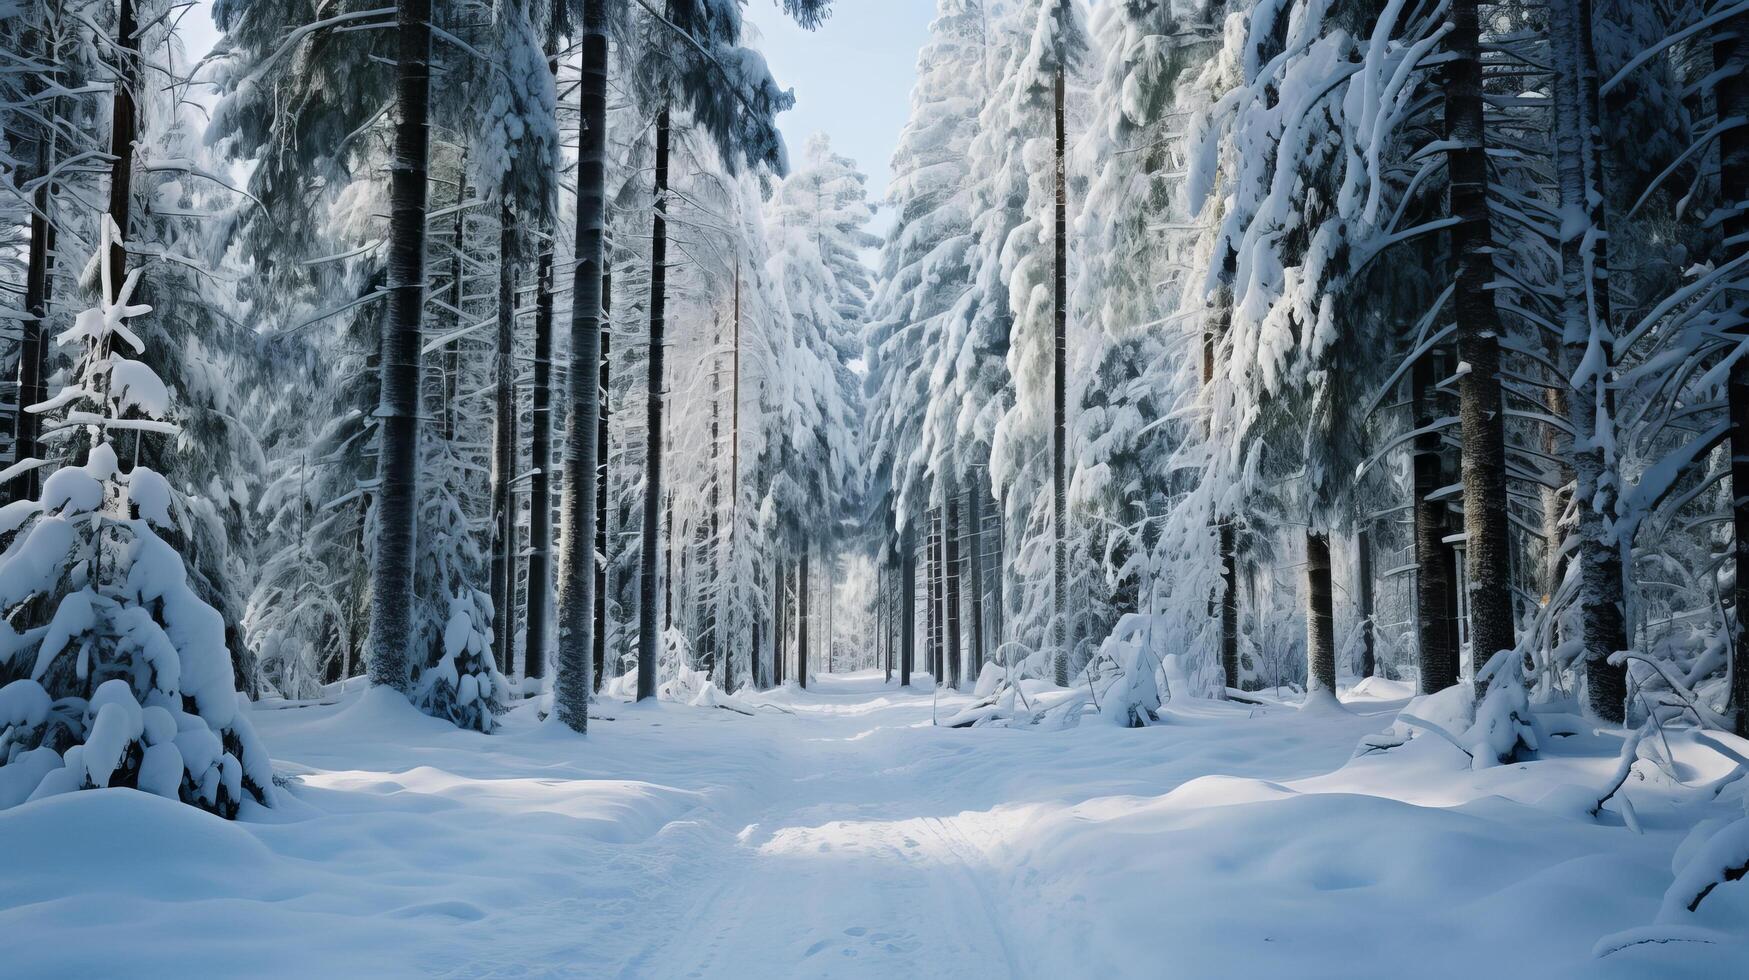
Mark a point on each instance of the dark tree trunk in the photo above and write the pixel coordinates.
(503, 566)
(601, 468)
(1364, 591)
(1579, 170)
(1229, 605)
(802, 582)
(540, 504)
(1435, 587)
(648, 639)
(1059, 402)
(124, 128)
(712, 591)
(391, 607)
(907, 603)
(1733, 98)
(935, 596)
(540, 435)
(1320, 618)
(954, 575)
(772, 676)
(975, 517)
(735, 482)
(668, 567)
(577, 596)
(1487, 545)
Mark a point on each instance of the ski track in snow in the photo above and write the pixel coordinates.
(844, 836)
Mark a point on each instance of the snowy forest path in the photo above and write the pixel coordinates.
(863, 871)
(838, 832)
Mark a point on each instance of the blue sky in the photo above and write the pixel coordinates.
(852, 77)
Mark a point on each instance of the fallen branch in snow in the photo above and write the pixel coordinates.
(1624, 766)
(1651, 934)
(1409, 719)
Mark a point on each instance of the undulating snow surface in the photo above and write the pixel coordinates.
(839, 834)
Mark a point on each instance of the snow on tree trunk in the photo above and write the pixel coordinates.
(600, 560)
(1481, 416)
(391, 607)
(578, 516)
(1733, 103)
(1059, 396)
(1588, 340)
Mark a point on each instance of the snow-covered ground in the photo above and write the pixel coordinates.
(839, 834)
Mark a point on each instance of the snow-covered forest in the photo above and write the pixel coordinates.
(1257, 492)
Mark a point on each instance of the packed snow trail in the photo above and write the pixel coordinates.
(837, 833)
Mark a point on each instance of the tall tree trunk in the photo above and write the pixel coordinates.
(1587, 337)
(735, 480)
(1059, 402)
(503, 565)
(1487, 545)
(1436, 644)
(1320, 618)
(391, 607)
(540, 424)
(540, 506)
(124, 128)
(1733, 99)
(802, 584)
(937, 631)
(954, 575)
(712, 591)
(975, 517)
(1229, 604)
(882, 621)
(647, 636)
(668, 567)
(907, 602)
(601, 468)
(1368, 629)
(577, 598)
(773, 675)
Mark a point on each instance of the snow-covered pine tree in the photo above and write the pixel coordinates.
(1019, 289)
(116, 672)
